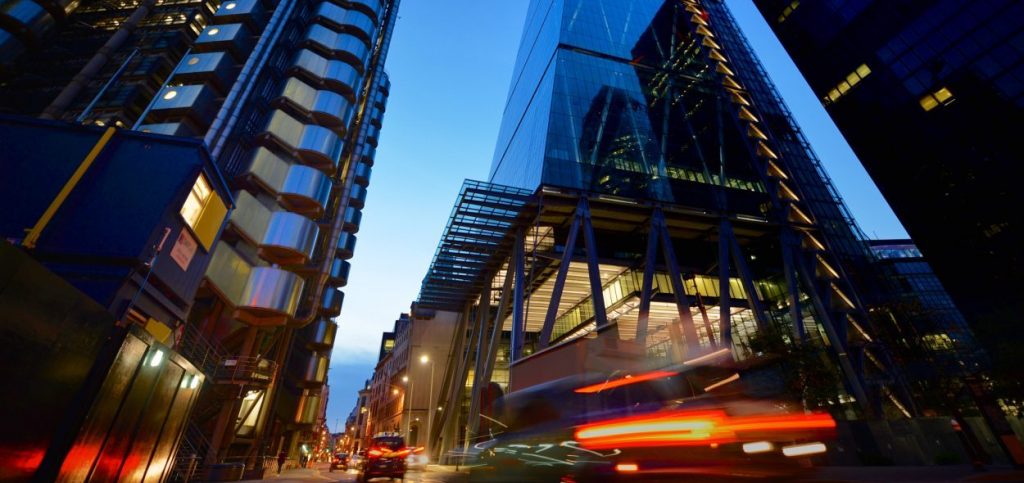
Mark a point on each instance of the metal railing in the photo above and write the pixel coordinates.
(200, 351)
(245, 371)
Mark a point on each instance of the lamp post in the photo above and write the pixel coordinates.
(424, 359)
(408, 421)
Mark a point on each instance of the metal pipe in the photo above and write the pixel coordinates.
(78, 83)
(234, 101)
(110, 81)
(149, 107)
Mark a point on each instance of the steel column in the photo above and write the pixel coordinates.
(788, 247)
(747, 279)
(485, 356)
(688, 338)
(704, 315)
(556, 293)
(593, 268)
(853, 379)
(518, 322)
(645, 290)
(453, 380)
(724, 295)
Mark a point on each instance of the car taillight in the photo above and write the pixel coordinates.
(374, 453)
(697, 427)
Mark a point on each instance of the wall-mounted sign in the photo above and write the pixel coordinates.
(184, 249)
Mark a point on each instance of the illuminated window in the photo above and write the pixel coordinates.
(788, 10)
(844, 86)
(197, 200)
(941, 97)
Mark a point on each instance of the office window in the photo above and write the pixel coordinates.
(204, 212)
(844, 86)
(788, 10)
(941, 97)
(197, 200)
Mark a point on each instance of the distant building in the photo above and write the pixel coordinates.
(930, 95)
(407, 380)
(355, 424)
(943, 331)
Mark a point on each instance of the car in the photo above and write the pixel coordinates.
(704, 423)
(385, 457)
(340, 461)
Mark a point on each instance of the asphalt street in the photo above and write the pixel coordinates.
(959, 473)
(322, 474)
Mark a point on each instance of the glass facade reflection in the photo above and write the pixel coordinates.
(936, 123)
(615, 97)
(938, 324)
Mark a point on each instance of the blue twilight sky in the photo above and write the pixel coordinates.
(450, 64)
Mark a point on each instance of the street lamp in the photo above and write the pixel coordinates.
(408, 422)
(424, 359)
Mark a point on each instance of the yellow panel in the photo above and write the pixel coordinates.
(754, 132)
(764, 151)
(776, 171)
(211, 220)
(745, 114)
(160, 331)
(707, 42)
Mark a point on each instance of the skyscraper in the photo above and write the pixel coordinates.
(930, 95)
(651, 201)
(288, 98)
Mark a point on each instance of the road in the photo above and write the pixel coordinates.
(321, 474)
(821, 475)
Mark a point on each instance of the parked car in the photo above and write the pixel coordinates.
(385, 457)
(340, 461)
